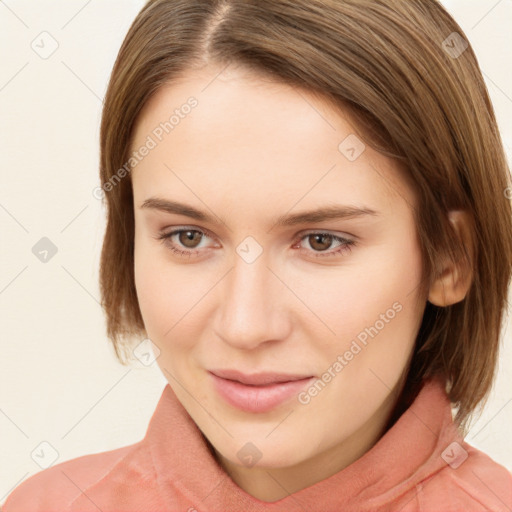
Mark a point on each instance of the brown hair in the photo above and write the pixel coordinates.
(391, 64)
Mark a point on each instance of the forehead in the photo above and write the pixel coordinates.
(248, 135)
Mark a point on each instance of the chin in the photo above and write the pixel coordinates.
(261, 455)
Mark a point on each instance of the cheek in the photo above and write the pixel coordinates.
(168, 295)
(372, 306)
(152, 286)
(353, 296)
(376, 319)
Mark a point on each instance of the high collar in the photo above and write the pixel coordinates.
(406, 454)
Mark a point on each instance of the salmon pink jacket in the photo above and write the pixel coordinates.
(420, 464)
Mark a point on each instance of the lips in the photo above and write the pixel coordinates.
(258, 379)
(257, 393)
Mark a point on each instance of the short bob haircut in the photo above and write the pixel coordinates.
(415, 92)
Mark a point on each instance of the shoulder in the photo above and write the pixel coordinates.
(477, 484)
(56, 487)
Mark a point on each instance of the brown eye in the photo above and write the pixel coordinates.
(189, 238)
(320, 241)
(185, 242)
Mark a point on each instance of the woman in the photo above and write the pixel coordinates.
(308, 218)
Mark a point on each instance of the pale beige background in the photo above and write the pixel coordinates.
(59, 381)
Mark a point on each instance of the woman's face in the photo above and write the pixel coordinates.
(259, 282)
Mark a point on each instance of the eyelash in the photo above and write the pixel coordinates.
(346, 244)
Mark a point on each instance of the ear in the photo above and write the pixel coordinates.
(455, 279)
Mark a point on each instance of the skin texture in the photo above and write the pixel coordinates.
(252, 150)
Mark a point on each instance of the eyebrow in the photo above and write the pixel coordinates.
(304, 217)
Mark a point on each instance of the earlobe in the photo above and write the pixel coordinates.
(455, 280)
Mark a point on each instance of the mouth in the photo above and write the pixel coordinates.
(257, 393)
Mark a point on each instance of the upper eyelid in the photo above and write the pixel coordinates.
(179, 229)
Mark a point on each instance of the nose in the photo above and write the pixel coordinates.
(252, 305)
